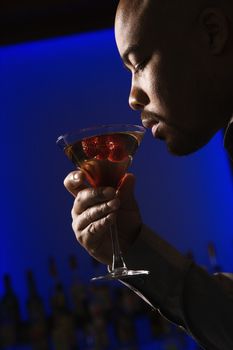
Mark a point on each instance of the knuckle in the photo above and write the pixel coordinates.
(95, 213)
(104, 208)
(101, 225)
(76, 211)
(95, 192)
(88, 215)
(110, 219)
(79, 197)
(92, 228)
(75, 227)
(80, 201)
(72, 213)
(79, 223)
(86, 196)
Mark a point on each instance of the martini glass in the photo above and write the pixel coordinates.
(104, 153)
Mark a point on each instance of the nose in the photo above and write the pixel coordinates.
(138, 99)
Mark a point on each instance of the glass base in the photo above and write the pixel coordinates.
(121, 273)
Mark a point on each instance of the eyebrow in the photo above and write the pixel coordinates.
(129, 50)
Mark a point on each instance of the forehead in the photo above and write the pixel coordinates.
(154, 23)
(134, 23)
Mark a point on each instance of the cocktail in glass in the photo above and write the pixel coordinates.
(104, 153)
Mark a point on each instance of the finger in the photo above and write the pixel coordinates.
(75, 182)
(89, 197)
(95, 213)
(92, 236)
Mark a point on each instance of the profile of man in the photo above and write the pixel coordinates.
(180, 56)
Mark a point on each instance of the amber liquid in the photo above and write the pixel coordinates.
(105, 158)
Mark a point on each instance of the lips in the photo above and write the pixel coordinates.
(155, 130)
(149, 119)
(149, 122)
(152, 122)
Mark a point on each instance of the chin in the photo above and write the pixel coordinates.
(181, 148)
(184, 142)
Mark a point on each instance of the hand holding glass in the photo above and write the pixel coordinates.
(104, 154)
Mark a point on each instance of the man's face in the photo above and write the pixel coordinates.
(171, 83)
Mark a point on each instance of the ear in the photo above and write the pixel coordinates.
(214, 26)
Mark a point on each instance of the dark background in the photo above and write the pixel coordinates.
(30, 20)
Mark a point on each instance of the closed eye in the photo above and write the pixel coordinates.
(137, 68)
(140, 66)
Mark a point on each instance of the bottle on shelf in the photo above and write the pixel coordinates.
(37, 322)
(96, 331)
(62, 326)
(214, 265)
(123, 318)
(78, 294)
(10, 318)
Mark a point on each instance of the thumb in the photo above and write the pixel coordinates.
(75, 182)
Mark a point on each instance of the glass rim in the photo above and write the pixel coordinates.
(99, 130)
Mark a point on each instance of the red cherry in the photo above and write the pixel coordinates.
(116, 145)
(89, 147)
(102, 148)
(113, 141)
(96, 147)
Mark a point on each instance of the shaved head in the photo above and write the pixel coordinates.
(191, 8)
(180, 55)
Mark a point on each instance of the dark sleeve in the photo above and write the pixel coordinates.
(182, 291)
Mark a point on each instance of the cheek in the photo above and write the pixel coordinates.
(176, 87)
(171, 91)
(158, 92)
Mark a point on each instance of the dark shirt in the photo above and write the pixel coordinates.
(181, 290)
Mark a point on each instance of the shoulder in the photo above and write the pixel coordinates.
(226, 280)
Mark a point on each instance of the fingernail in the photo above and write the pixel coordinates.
(109, 192)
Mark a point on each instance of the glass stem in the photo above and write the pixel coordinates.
(117, 258)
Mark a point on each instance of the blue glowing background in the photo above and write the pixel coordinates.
(52, 86)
